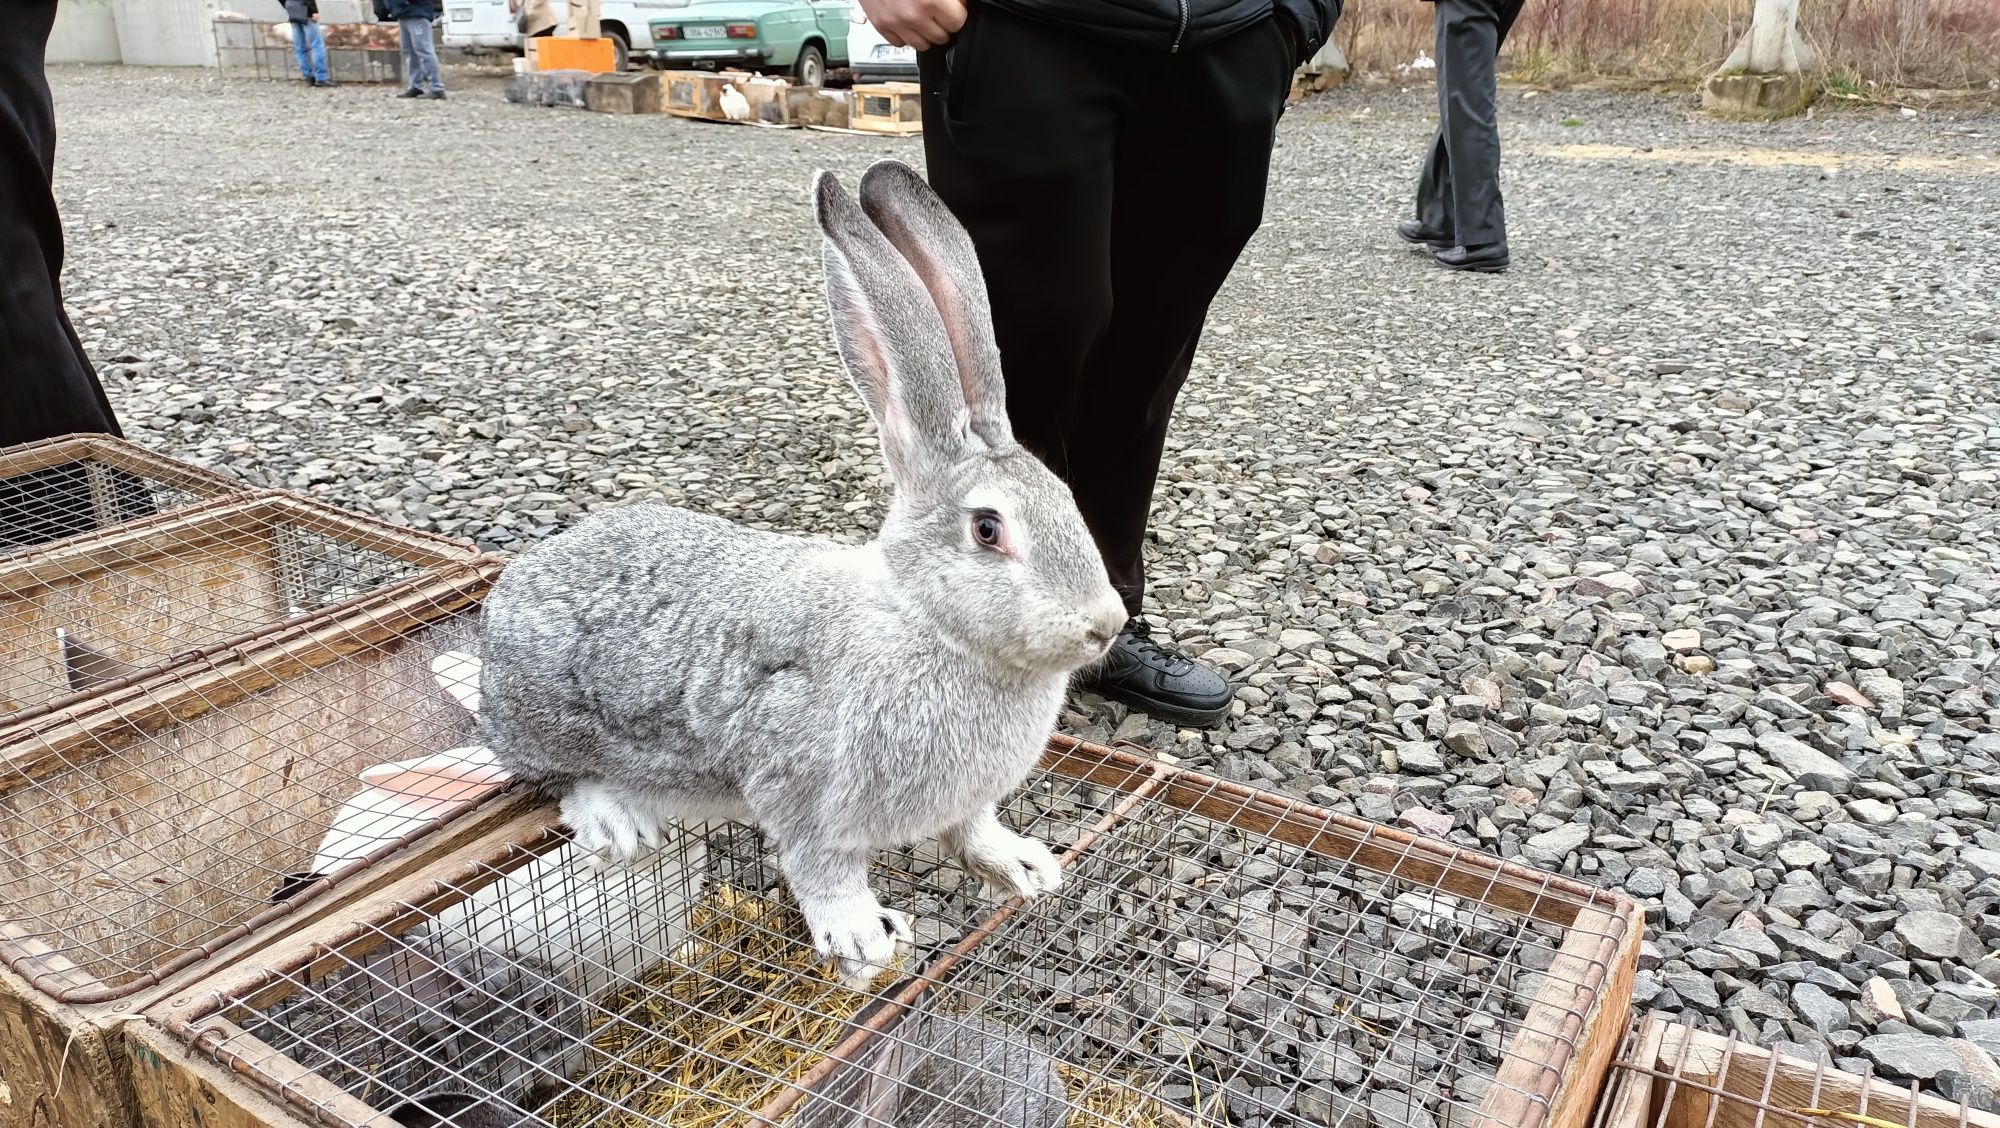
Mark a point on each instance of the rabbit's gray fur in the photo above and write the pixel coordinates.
(654, 664)
(424, 1010)
(944, 1071)
(457, 1108)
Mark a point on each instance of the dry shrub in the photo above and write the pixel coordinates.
(1942, 44)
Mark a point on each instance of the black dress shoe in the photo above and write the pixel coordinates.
(1489, 258)
(1156, 679)
(411, 93)
(1413, 232)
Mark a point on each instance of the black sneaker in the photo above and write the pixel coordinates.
(1156, 679)
(436, 95)
(411, 93)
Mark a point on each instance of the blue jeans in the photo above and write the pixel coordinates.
(310, 46)
(420, 56)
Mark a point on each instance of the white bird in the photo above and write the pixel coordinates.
(734, 105)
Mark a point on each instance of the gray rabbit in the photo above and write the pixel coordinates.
(423, 1010)
(655, 664)
(937, 1071)
(456, 1108)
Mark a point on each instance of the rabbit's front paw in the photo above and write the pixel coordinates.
(1010, 865)
(611, 824)
(860, 935)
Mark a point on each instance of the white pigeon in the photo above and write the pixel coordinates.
(735, 106)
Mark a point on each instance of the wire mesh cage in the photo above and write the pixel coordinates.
(192, 700)
(1216, 956)
(62, 487)
(1672, 1076)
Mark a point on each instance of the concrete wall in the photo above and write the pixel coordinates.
(167, 33)
(86, 31)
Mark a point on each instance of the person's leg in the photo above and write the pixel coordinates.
(1468, 47)
(1434, 182)
(430, 76)
(319, 68)
(407, 43)
(1206, 128)
(1019, 142)
(302, 48)
(47, 385)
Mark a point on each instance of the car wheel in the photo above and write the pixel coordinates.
(810, 70)
(621, 51)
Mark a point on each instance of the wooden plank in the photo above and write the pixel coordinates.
(1629, 1101)
(176, 1087)
(1605, 1027)
(58, 1068)
(1531, 1070)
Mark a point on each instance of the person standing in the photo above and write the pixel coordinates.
(307, 42)
(534, 19)
(1109, 159)
(47, 384)
(421, 72)
(1459, 214)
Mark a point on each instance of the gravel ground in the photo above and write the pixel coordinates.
(1666, 559)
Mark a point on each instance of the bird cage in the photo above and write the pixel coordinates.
(1672, 1076)
(63, 487)
(213, 716)
(1215, 956)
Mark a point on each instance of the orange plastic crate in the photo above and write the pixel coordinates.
(565, 52)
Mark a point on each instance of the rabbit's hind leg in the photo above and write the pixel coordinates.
(1009, 865)
(847, 922)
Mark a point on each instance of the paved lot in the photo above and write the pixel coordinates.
(1667, 559)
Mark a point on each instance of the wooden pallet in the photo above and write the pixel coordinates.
(894, 108)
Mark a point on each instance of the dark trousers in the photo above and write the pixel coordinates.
(1108, 192)
(1459, 189)
(47, 386)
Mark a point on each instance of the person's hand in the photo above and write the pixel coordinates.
(922, 24)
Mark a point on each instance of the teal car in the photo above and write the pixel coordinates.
(800, 38)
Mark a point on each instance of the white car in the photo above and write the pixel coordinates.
(871, 58)
(487, 25)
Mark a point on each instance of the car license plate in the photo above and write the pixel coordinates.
(889, 53)
(709, 32)
(461, 15)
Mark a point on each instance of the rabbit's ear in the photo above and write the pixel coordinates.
(937, 247)
(892, 341)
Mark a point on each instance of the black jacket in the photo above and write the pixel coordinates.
(1182, 25)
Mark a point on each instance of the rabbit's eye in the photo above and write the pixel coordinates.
(986, 528)
(544, 1007)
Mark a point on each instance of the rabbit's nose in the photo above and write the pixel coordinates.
(1105, 623)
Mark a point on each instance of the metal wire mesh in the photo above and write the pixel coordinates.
(1673, 1076)
(1215, 957)
(189, 702)
(63, 487)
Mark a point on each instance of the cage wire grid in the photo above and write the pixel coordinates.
(1667, 1075)
(1216, 956)
(74, 484)
(190, 698)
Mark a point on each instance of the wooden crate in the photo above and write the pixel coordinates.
(635, 93)
(147, 825)
(565, 52)
(133, 599)
(1674, 1076)
(1554, 995)
(887, 107)
(80, 483)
